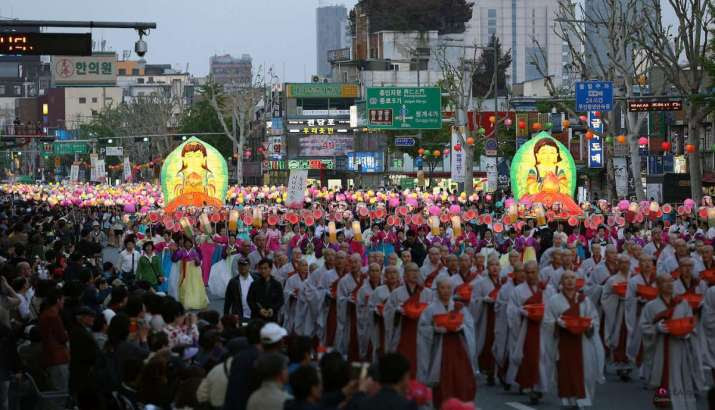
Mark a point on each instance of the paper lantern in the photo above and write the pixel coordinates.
(522, 124)
(621, 139)
(437, 153)
(332, 235)
(421, 151)
(536, 126)
(565, 124)
(445, 152)
(481, 131)
(597, 114)
(457, 147)
(492, 119)
(257, 217)
(643, 141)
(690, 148)
(205, 223)
(456, 225)
(470, 141)
(548, 126)
(508, 122)
(665, 145)
(434, 225)
(589, 135)
(609, 139)
(583, 118)
(427, 154)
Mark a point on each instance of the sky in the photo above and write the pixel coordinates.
(278, 33)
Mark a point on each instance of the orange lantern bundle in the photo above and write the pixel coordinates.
(417, 219)
(154, 217)
(413, 309)
(317, 213)
(247, 218)
(646, 292)
(309, 221)
(580, 283)
(620, 288)
(273, 219)
(464, 292)
(680, 327)
(693, 299)
(292, 218)
(577, 324)
(451, 321)
(233, 220)
(708, 276)
(535, 311)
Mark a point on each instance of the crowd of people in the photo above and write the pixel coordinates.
(104, 309)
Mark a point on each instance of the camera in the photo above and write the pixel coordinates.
(140, 47)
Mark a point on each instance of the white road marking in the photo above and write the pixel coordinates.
(519, 406)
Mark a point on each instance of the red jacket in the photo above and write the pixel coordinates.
(54, 338)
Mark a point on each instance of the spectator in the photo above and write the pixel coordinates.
(265, 297)
(241, 380)
(84, 350)
(306, 387)
(394, 377)
(54, 341)
(273, 370)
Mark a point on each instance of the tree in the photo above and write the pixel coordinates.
(445, 16)
(200, 118)
(678, 54)
(237, 103)
(617, 22)
(483, 77)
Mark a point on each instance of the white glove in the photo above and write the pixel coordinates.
(523, 312)
(662, 327)
(561, 322)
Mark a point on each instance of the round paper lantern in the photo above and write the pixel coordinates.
(597, 114)
(445, 152)
(421, 151)
(589, 135)
(522, 124)
(548, 126)
(508, 122)
(621, 139)
(457, 147)
(665, 145)
(565, 123)
(643, 141)
(583, 118)
(427, 153)
(470, 141)
(690, 148)
(437, 153)
(481, 131)
(689, 203)
(536, 126)
(492, 119)
(609, 139)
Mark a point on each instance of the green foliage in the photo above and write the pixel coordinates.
(484, 74)
(445, 16)
(201, 118)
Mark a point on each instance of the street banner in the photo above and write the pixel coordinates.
(297, 182)
(458, 158)
(114, 151)
(93, 167)
(489, 164)
(620, 170)
(74, 173)
(127, 169)
(595, 144)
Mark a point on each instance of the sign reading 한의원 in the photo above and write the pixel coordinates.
(404, 142)
(97, 69)
(594, 95)
(404, 108)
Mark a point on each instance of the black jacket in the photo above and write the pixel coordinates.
(233, 301)
(242, 380)
(417, 250)
(84, 351)
(387, 399)
(265, 295)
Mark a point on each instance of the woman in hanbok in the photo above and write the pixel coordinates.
(192, 293)
(575, 359)
(273, 236)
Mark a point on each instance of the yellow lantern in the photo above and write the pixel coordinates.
(186, 226)
(434, 224)
(456, 226)
(233, 220)
(257, 217)
(357, 231)
(205, 223)
(332, 235)
(540, 214)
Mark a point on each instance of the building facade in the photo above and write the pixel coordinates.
(231, 72)
(331, 34)
(527, 28)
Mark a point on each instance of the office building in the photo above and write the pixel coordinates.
(331, 34)
(526, 27)
(231, 72)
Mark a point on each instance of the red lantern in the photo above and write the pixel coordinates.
(583, 118)
(457, 147)
(690, 148)
(445, 152)
(597, 114)
(247, 154)
(421, 151)
(643, 141)
(522, 124)
(536, 126)
(589, 135)
(470, 141)
(492, 119)
(508, 122)
(437, 153)
(665, 145)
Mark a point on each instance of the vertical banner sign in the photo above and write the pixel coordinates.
(297, 182)
(489, 164)
(127, 169)
(595, 145)
(93, 167)
(458, 159)
(74, 172)
(100, 173)
(620, 170)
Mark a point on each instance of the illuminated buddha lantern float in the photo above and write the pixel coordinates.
(194, 175)
(543, 171)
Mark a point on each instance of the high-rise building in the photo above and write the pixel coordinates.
(331, 34)
(596, 47)
(526, 27)
(231, 72)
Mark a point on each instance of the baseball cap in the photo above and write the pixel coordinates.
(243, 261)
(272, 333)
(95, 223)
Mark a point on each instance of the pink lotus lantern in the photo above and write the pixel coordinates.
(434, 210)
(454, 209)
(623, 205)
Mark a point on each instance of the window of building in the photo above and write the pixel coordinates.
(492, 13)
(108, 100)
(2, 90)
(140, 80)
(135, 71)
(122, 71)
(82, 100)
(94, 99)
(18, 91)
